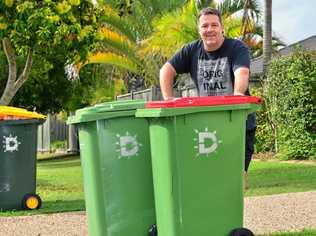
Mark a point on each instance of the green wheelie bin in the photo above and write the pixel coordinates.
(197, 148)
(18, 134)
(116, 162)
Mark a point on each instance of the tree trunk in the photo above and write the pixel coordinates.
(13, 84)
(267, 34)
(267, 53)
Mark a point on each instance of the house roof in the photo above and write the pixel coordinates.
(256, 64)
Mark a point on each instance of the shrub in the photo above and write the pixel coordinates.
(264, 132)
(289, 92)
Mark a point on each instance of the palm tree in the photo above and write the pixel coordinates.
(267, 34)
(126, 24)
(255, 42)
(203, 3)
(180, 25)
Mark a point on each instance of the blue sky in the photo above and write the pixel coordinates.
(293, 21)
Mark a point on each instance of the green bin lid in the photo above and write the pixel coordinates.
(106, 110)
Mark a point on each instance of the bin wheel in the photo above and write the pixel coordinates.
(153, 231)
(31, 202)
(241, 232)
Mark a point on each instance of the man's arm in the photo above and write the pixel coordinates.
(241, 80)
(166, 77)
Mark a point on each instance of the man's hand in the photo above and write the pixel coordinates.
(166, 77)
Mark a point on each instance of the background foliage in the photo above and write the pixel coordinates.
(289, 92)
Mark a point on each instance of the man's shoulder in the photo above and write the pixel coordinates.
(194, 44)
(235, 42)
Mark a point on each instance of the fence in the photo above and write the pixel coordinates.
(154, 94)
(150, 94)
(53, 130)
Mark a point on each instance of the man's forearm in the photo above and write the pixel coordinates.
(241, 81)
(166, 77)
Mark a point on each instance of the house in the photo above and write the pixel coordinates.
(256, 64)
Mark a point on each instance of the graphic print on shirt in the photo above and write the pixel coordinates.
(213, 77)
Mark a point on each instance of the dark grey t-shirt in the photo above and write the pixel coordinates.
(213, 72)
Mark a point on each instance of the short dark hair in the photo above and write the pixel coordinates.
(210, 11)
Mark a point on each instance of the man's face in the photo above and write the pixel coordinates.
(210, 31)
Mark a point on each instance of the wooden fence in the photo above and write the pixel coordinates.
(53, 130)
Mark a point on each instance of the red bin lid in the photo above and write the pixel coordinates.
(204, 101)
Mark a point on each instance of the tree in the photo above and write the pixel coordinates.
(180, 25)
(126, 25)
(29, 28)
(203, 3)
(267, 34)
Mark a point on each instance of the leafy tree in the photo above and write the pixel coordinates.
(47, 90)
(126, 25)
(255, 42)
(28, 28)
(174, 29)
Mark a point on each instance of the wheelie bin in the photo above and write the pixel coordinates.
(197, 148)
(18, 132)
(116, 162)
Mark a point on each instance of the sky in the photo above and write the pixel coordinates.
(292, 20)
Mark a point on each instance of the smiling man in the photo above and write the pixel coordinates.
(217, 65)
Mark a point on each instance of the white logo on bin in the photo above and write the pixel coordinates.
(128, 145)
(207, 142)
(4, 187)
(10, 143)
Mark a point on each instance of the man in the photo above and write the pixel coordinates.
(217, 65)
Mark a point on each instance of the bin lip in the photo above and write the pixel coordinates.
(15, 112)
(106, 110)
(204, 101)
(113, 106)
(22, 121)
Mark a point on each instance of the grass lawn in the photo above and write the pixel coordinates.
(60, 184)
(271, 177)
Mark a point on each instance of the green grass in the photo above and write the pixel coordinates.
(270, 177)
(303, 233)
(60, 183)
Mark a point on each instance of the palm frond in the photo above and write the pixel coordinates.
(118, 43)
(232, 27)
(113, 59)
(232, 7)
(172, 31)
(120, 24)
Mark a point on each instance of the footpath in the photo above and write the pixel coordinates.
(291, 212)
